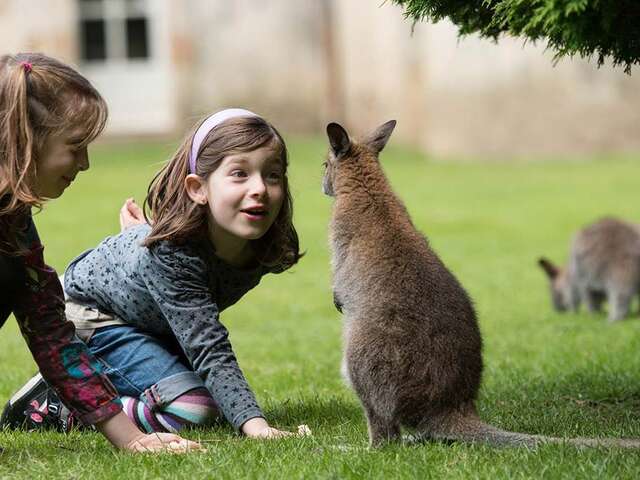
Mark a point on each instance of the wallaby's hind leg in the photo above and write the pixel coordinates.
(377, 404)
(619, 303)
(575, 297)
(594, 300)
(381, 430)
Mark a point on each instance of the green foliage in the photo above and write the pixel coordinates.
(601, 28)
(561, 375)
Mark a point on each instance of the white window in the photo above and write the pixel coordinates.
(114, 30)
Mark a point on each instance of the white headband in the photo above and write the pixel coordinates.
(209, 124)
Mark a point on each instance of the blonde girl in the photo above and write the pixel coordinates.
(49, 113)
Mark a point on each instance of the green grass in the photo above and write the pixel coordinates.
(562, 375)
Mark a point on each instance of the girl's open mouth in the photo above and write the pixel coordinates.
(255, 213)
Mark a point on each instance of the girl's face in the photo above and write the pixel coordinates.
(58, 165)
(244, 195)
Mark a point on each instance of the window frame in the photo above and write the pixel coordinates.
(115, 15)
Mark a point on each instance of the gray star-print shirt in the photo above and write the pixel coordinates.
(176, 290)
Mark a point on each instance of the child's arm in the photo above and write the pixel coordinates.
(63, 359)
(69, 368)
(178, 282)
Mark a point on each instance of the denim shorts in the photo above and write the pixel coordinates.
(138, 363)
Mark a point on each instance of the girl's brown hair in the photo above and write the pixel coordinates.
(39, 97)
(178, 218)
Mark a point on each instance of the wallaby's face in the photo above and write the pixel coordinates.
(558, 284)
(341, 150)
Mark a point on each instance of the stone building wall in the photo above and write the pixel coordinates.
(471, 97)
(360, 62)
(262, 55)
(39, 26)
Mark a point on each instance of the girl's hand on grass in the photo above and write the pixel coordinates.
(130, 215)
(162, 442)
(259, 428)
(123, 434)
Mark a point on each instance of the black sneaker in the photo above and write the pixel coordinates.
(36, 406)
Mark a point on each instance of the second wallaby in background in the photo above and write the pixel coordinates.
(412, 346)
(604, 264)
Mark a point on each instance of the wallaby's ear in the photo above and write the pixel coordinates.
(378, 139)
(338, 139)
(550, 269)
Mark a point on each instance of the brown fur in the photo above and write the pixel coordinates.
(412, 343)
(604, 264)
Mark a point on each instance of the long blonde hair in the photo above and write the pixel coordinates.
(175, 217)
(39, 97)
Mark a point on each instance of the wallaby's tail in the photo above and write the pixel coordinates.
(467, 427)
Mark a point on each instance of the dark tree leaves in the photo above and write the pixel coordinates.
(597, 28)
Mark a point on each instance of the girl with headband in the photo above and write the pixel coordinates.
(49, 113)
(149, 299)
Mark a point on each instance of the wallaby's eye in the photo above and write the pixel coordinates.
(325, 164)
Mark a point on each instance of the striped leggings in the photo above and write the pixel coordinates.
(151, 414)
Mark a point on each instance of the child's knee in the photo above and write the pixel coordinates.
(195, 407)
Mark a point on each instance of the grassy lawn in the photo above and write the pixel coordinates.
(561, 375)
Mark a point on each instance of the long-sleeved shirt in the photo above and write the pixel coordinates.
(31, 290)
(172, 290)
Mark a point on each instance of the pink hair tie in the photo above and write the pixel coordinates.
(27, 66)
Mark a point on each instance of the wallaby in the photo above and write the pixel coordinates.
(412, 348)
(604, 264)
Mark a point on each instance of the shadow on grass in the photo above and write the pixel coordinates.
(319, 411)
(582, 402)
